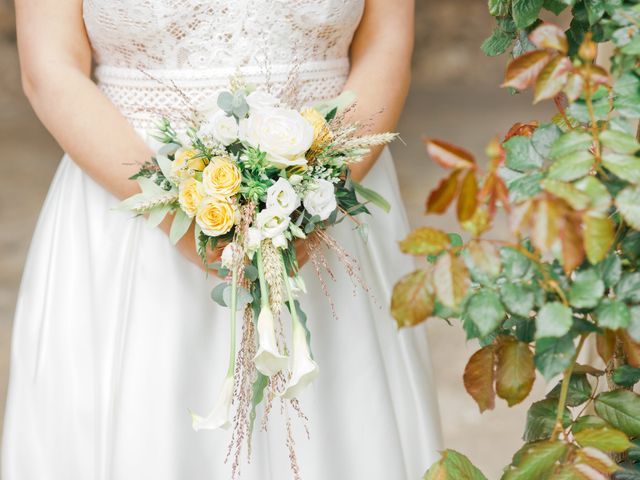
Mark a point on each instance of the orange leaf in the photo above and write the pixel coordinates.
(572, 245)
(550, 36)
(631, 348)
(412, 298)
(606, 345)
(425, 241)
(515, 371)
(440, 198)
(451, 279)
(520, 217)
(523, 71)
(552, 78)
(478, 378)
(468, 199)
(521, 130)
(449, 156)
(545, 225)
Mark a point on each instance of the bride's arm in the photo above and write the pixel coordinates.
(381, 67)
(55, 63)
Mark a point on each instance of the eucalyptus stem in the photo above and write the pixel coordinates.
(234, 312)
(564, 389)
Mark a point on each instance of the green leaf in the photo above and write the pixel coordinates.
(544, 137)
(567, 192)
(634, 325)
(621, 408)
(595, 10)
(554, 355)
(179, 226)
(517, 298)
(605, 439)
(258, 387)
(629, 106)
(587, 422)
(626, 375)
(372, 196)
(425, 241)
(613, 314)
(537, 461)
(521, 155)
(611, 270)
(499, 8)
(453, 466)
(498, 42)
(570, 142)
(524, 186)
(556, 6)
(515, 371)
(628, 203)
(620, 142)
(628, 288)
(587, 289)
(541, 418)
(217, 294)
(572, 166)
(525, 12)
(486, 311)
(579, 390)
(600, 199)
(626, 167)
(412, 300)
(515, 265)
(554, 320)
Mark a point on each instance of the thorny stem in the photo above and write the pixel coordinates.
(564, 389)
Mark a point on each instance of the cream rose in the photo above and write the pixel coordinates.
(190, 195)
(321, 199)
(272, 223)
(221, 177)
(283, 134)
(281, 196)
(184, 160)
(259, 99)
(221, 127)
(216, 216)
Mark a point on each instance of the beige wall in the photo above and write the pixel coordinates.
(454, 96)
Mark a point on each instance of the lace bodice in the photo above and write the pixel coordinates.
(196, 45)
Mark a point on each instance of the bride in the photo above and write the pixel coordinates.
(107, 357)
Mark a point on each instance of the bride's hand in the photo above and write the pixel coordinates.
(302, 253)
(187, 247)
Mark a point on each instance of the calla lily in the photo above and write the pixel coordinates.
(305, 369)
(220, 416)
(268, 360)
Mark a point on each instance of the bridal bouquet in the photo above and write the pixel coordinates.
(255, 176)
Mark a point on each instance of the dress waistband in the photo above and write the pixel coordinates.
(144, 96)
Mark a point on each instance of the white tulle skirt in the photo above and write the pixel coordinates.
(115, 338)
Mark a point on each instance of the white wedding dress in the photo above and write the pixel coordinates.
(115, 335)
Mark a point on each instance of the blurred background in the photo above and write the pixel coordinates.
(455, 96)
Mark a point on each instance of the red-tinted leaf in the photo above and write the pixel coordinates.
(552, 78)
(468, 199)
(523, 71)
(479, 375)
(440, 198)
(515, 371)
(520, 130)
(572, 245)
(451, 279)
(606, 345)
(574, 87)
(550, 36)
(448, 155)
(631, 348)
(545, 225)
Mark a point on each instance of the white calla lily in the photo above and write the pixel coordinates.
(268, 359)
(220, 416)
(304, 369)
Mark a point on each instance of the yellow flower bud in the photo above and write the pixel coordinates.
(190, 196)
(321, 133)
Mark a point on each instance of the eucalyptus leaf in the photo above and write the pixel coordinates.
(179, 226)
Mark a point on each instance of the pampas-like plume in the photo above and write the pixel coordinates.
(160, 201)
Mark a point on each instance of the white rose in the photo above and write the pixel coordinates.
(221, 127)
(279, 241)
(283, 134)
(272, 222)
(321, 199)
(281, 196)
(228, 255)
(259, 99)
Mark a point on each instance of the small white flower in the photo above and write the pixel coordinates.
(268, 359)
(272, 222)
(283, 134)
(305, 369)
(254, 237)
(282, 197)
(279, 241)
(297, 285)
(221, 127)
(321, 199)
(220, 416)
(295, 179)
(229, 255)
(260, 99)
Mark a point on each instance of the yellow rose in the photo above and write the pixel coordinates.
(186, 161)
(216, 216)
(221, 177)
(321, 133)
(190, 196)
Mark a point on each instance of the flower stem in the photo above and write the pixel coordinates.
(564, 389)
(287, 287)
(264, 289)
(234, 312)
